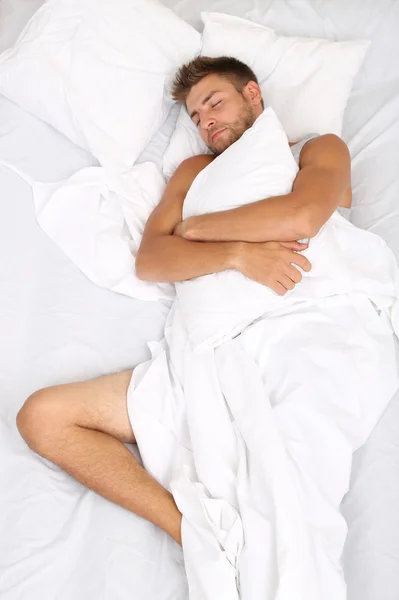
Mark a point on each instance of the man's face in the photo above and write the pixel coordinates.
(220, 112)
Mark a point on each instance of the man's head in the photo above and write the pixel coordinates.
(222, 97)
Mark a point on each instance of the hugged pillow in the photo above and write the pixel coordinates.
(258, 165)
(95, 70)
(217, 307)
(306, 81)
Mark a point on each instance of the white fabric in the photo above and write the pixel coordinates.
(95, 217)
(98, 220)
(307, 81)
(95, 70)
(215, 307)
(14, 14)
(255, 437)
(59, 539)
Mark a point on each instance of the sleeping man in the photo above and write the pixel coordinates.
(82, 426)
(223, 100)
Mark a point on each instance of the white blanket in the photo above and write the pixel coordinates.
(252, 421)
(97, 218)
(255, 440)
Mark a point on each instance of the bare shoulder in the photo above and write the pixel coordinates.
(168, 211)
(329, 153)
(200, 161)
(181, 180)
(325, 150)
(188, 170)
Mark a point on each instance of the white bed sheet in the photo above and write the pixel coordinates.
(59, 540)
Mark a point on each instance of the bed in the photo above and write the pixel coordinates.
(61, 541)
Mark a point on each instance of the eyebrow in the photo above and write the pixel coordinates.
(195, 112)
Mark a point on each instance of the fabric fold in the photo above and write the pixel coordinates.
(97, 218)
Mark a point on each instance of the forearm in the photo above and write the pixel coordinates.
(172, 258)
(279, 218)
(320, 186)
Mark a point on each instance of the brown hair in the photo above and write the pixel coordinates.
(237, 72)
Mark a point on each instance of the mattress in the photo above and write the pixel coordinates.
(61, 541)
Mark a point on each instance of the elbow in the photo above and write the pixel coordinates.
(140, 272)
(141, 267)
(306, 225)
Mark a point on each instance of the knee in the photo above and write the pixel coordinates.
(36, 420)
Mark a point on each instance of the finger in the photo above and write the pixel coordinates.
(286, 282)
(301, 261)
(280, 289)
(294, 274)
(296, 246)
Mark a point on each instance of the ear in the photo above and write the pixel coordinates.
(253, 92)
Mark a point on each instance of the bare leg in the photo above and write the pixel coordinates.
(81, 427)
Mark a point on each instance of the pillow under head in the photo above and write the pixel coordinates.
(307, 81)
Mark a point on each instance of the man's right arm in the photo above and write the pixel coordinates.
(163, 256)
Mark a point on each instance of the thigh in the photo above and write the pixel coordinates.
(99, 403)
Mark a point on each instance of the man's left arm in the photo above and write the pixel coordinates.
(318, 189)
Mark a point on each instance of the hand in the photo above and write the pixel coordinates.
(269, 263)
(184, 229)
(296, 246)
(179, 229)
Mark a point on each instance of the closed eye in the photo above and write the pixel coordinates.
(198, 121)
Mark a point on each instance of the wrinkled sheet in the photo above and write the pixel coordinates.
(255, 437)
(97, 218)
(58, 539)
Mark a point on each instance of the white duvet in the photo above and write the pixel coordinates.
(251, 420)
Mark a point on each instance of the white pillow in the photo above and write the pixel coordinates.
(259, 165)
(95, 70)
(306, 81)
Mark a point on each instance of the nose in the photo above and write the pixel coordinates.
(208, 122)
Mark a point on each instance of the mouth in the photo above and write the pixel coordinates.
(214, 135)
